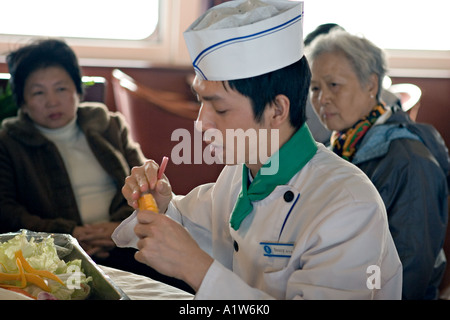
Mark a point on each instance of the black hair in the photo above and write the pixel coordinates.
(321, 29)
(293, 81)
(37, 55)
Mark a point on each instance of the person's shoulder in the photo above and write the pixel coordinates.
(407, 161)
(327, 171)
(101, 112)
(326, 161)
(90, 106)
(19, 128)
(94, 116)
(410, 153)
(332, 187)
(230, 174)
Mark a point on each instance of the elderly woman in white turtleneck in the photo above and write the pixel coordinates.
(62, 163)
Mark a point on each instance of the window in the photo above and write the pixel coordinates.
(390, 24)
(95, 19)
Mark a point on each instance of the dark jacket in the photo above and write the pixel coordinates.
(408, 163)
(35, 190)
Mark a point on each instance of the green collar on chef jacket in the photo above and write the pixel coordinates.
(292, 157)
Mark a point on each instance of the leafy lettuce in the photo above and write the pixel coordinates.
(42, 255)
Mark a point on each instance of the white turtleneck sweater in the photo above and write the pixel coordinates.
(93, 187)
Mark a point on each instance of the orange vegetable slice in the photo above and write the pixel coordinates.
(148, 202)
(42, 273)
(27, 274)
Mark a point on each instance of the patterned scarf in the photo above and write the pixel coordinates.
(292, 156)
(344, 143)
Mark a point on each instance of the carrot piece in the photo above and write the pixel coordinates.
(9, 276)
(148, 202)
(43, 273)
(23, 282)
(35, 279)
(12, 277)
(3, 266)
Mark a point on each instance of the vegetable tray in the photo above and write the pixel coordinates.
(68, 248)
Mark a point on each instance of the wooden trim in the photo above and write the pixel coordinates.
(172, 102)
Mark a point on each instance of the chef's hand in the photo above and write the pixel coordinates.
(166, 246)
(143, 179)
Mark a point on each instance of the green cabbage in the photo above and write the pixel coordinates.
(42, 255)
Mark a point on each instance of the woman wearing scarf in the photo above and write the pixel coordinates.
(407, 162)
(303, 224)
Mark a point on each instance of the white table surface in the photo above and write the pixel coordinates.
(139, 287)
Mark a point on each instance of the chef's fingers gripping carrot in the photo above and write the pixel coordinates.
(148, 202)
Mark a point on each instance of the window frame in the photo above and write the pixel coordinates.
(165, 47)
(168, 47)
(75, 27)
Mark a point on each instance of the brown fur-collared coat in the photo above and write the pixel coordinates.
(35, 190)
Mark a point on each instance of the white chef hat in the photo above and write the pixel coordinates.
(245, 38)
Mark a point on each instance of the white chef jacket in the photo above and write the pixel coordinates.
(324, 235)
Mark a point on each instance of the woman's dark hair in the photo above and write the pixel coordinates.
(293, 81)
(41, 54)
(321, 29)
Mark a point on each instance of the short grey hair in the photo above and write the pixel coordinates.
(365, 57)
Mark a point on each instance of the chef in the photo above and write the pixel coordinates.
(300, 223)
